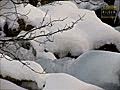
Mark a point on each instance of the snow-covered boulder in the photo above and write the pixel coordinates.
(29, 13)
(21, 74)
(47, 55)
(61, 81)
(55, 66)
(7, 85)
(90, 4)
(90, 33)
(100, 68)
(16, 50)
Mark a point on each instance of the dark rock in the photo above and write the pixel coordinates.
(28, 84)
(10, 32)
(109, 47)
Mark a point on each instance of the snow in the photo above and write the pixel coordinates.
(88, 34)
(100, 68)
(90, 4)
(81, 38)
(17, 51)
(61, 81)
(96, 67)
(17, 70)
(7, 85)
(29, 13)
(47, 55)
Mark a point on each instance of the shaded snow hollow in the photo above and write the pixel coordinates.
(7, 85)
(61, 81)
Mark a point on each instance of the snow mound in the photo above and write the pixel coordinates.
(29, 13)
(90, 33)
(14, 50)
(7, 85)
(100, 68)
(90, 4)
(61, 81)
(15, 69)
(47, 55)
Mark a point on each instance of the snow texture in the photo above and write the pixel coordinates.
(7, 85)
(14, 50)
(88, 34)
(81, 38)
(61, 81)
(90, 4)
(100, 68)
(17, 70)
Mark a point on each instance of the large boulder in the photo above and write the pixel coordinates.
(27, 74)
(100, 68)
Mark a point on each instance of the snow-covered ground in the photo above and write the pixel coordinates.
(90, 4)
(61, 81)
(16, 70)
(7, 85)
(89, 33)
(99, 68)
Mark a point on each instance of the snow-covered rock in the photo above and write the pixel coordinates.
(90, 4)
(7, 85)
(100, 68)
(14, 50)
(47, 55)
(29, 13)
(61, 81)
(90, 33)
(16, 70)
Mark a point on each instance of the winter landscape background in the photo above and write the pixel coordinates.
(59, 45)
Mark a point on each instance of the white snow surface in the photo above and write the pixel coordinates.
(100, 68)
(47, 55)
(90, 33)
(17, 51)
(29, 13)
(17, 70)
(90, 4)
(7, 85)
(61, 81)
(87, 34)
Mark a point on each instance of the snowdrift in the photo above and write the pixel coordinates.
(88, 34)
(16, 70)
(61, 81)
(7, 85)
(100, 68)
